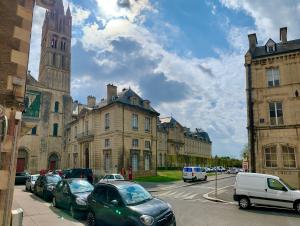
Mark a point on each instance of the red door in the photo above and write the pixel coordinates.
(20, 165)
(52, 165)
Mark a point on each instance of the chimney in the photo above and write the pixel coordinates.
(91, 101)
(252, 42)
(111, 92)
(283, 34)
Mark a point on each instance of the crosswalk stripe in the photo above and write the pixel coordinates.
(191, 196)
(178, 195)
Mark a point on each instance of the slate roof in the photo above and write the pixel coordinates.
(124, 97)
(198, 133)
(289, 46)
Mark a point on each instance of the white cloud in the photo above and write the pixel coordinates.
(79, 15)
(269, 16)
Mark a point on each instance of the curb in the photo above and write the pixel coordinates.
(206, 196)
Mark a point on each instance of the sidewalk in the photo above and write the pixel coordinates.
(156, 187)
(39, 212)
(224, 195)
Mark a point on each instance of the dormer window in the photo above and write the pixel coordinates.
(270, 46)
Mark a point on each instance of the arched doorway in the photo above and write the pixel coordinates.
(53, 161)
(22, 160)
(87, 158)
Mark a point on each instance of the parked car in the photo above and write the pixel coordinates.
(29, 186)
(45, 185)
(80, 173)
(71, 194)
(193, 173)
(21, 178)
(232, 171)
(125, 203)
(111, 177)
(65, 172)
(264, 189)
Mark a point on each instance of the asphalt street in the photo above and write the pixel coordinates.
(190, 208)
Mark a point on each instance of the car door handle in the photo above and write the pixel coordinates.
(93, 200)
(266, 190)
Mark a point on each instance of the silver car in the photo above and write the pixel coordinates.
(30, 182)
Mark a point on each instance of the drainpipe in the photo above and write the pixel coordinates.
(251, 120)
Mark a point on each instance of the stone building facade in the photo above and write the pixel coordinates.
(119, 132)
(273, 80)
(48, 102)
(15, 29)
(178, 146)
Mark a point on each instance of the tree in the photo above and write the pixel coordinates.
(245, 151)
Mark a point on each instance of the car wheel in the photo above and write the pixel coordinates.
(205, 178)
(54, 202)
(244, 203)
(72, 211)
(184, 180)
(91, 220)
(297, 207)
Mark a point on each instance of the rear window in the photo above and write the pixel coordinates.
(197, 169)
(187, 169)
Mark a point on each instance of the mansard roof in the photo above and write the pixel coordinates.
(289, 46)
(124, 97)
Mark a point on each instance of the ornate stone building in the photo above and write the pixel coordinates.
(273, 86)
(48, 102)
(119, 132)
(178, 146)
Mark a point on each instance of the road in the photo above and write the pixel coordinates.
(190, 208)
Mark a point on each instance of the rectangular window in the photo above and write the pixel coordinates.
(54, 59)
(107, 121)
(33, 131)
(134, 121)
(147, 144)
(273, 77)
(56, 106)
(270, 157)
(55, 129)
(107, 160)
(107, 143)
(147, 161)
(147, 124)
(62, 61)
(276, 114)
(288, 156)
(135, 162)
(135, 143)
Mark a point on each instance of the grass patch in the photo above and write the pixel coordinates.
(162, 176)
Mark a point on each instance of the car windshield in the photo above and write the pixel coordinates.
(80, 186)
(119, 177)
(286, 184)
(53, 179)
(34, 178)
(134, 194)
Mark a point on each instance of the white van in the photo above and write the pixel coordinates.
(193, 173)
(266, 190)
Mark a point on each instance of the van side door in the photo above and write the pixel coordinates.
(278, 194)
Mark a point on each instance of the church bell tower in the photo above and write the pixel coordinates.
(55, 60)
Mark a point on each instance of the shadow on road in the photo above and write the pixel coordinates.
(273, 211)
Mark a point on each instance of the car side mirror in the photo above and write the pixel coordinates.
(114, 202)
(284, 189)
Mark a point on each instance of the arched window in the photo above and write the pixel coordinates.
(56, 106)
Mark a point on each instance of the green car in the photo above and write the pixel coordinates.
(71, 194)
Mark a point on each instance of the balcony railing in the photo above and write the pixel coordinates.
(85, 136)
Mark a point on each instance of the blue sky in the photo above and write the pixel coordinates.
(185, 56)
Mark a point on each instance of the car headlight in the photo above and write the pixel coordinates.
(147, 220)
(50, 188)
(80, 202)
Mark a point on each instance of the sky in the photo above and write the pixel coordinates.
(185, 56)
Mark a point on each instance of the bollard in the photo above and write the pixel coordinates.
(17, 217)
